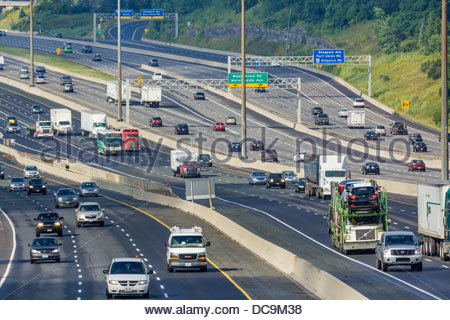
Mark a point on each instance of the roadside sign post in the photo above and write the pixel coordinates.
(405, 105)
(58, 51)
(252, 80)
(200, 189)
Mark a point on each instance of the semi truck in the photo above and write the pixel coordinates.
(43, 129)
(356, 229)
(130, 140)
(356, 119)
(92, 122)
(150, 96)
(61, 121)
(433, 217)
(321, 171)
(184, 163)
(109, 142)
(111, 91)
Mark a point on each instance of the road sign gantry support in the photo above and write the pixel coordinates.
(302, 61)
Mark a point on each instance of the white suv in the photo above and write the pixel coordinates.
(127, 276)
(186, 248)
(90, 213)
(358, 103)
(30, 172)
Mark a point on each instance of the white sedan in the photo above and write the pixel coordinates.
(299, 156)
(40, 79)
(343, 113)
(358, 103)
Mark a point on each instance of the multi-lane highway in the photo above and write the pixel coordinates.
(280, 216)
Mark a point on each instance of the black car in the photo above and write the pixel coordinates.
(154, 63)
(96, 57)
(66, 79)
(362, 197)
(48, 222)
(235, 147)
(44, 249)
(41, 69)
(260, 90)
(39, 73)
(2, 172)
(448, 137)
(199, 96)
(35, 108)
(300, 185)
(371, 167)
(37, 185)
(58, 35)
(415, 137)
(322, 119)
(316, 111)
(269, 155)
(275, 180)
(181, 128)
(420, 147)
(370, 135)
(205, 160)
(68, 87)
(257, 145)
(86, 49)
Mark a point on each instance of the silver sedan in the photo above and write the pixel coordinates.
(17, 183)
(66, 197)
(257, 177)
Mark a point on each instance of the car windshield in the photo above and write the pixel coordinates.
(199, 93)
(44, 123)
(89, 207)
(88, 185)
(45, 242)
(372, 133)
(236, 144)
(205, 157)
(418, 161)
(157, 118)
(355, 219)
(380, 127)
(400, 239)
(276, 176)
(187, 241)
(37, 181)
(66, 192)
(231, 118)
(339, 174)
(182, 126)
(258, 174)
(113, 141)
(64, 123)
(48, 216)
(17, 180)
(31, 168)
(127, 267)
(190, 163)
(132, 135)
(301, 181)
(99, 124)
(371, 164)
(359, 100)
(363, 191)
(289, 173)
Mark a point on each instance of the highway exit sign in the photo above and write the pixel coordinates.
(252, 80)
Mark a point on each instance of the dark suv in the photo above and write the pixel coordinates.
(322, 118)
(371, 167)
(48, 222)
(362, 196)
(199, 96)
(420, 147)
(269, 155)
(181, 128)
(275, 180)
(205, 160)
(415, 137)
(66, 79)
(316, 111)
(86, 49)
(154, 63)
(37, 185)
(257, 145)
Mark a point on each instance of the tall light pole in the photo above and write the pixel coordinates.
(31, 46)
(119, 66)
(244, 98)
(444, 91)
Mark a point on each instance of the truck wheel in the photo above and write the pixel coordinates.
(384, 267)
(418, 267)
(443, 256)
(432, 247)
(169, 269)
(378, 265)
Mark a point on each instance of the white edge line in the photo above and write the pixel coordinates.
(8, 268)
(332, 250)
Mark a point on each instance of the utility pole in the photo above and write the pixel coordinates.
(444, 91)
(119, 67)
(287, 34)
(244, 98)
(94, 28)
(31, 46)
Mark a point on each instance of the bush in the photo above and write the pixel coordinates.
(408, 45)
(414, 98)
(437, 117)
(21, 14)
(384, 77)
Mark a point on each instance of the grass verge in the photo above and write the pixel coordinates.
(56, 61)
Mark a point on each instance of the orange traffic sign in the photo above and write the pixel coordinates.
(145, 30)
(58, 51)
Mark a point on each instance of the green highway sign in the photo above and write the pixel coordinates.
(252, 80)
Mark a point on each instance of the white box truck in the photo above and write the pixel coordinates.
(356, 119)
(111, 91)
(92, 122)
(184, 163)
(150, 96)
(320, 171)
(61, 121)
(433, 217)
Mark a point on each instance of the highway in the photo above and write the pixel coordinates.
(299, 218)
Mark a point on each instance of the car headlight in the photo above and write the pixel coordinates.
(100, 214)
(40, 224)
(271, 180)
(31, 187)
(173, 256)
(81, 215)
(387, 251)
(113, 282)
(35, 251)
(57, 224)
(55, 251)
(74, 199)
(418, 251)
(142, 282)
(60, 199)
(201, 257)
(96, 189)
(44, 186)
(282, 180)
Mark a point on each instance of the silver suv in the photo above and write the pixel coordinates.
(398, 248)
(90, 213)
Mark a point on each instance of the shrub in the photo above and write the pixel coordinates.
(384, 77)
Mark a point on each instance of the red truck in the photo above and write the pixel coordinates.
(130, 140)
(190, 169)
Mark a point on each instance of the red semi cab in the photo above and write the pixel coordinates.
(130, 140)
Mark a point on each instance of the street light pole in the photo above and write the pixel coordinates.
(119, 67)
(243, 103)
(444, 92)
(31, 46)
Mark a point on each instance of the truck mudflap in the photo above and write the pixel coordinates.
(360, 245)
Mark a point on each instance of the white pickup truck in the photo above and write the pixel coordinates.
(43, 129)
